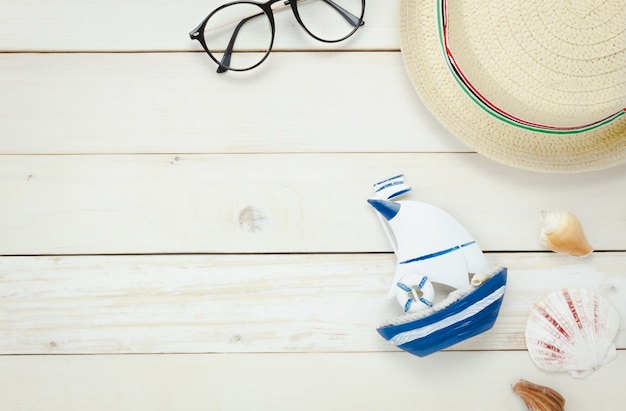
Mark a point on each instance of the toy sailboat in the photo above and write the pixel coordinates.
(432, 248)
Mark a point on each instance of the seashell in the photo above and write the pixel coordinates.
(572, 330)
(479, 278)
(563, 233)
(538, 397)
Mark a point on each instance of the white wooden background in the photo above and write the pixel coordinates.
(174, 239)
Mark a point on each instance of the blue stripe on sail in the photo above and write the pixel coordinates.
(389, 182)
(437, 254)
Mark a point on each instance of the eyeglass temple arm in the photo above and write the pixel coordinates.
(223, 67)
(353, 20)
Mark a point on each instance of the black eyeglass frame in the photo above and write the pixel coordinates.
(198, 32)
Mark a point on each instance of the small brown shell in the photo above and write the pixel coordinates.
(539, 398)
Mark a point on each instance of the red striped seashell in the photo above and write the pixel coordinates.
(572, 330)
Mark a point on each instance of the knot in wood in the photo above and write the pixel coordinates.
(254, 220)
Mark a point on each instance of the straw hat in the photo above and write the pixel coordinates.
(534, 84)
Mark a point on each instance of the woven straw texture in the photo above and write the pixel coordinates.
(558, 64)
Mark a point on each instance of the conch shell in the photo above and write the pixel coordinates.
(539, 398)
(563, 233)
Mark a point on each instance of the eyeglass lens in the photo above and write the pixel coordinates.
(330, 20)
(246, 26)
(246, 30)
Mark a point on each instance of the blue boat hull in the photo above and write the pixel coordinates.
(471, 315)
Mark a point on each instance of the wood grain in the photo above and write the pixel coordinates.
(101, 25)
(254, 303)
(175, 239)
(262, 203)
(270, 382)
(176, 103)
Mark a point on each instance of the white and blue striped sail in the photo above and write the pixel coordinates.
(426, 240)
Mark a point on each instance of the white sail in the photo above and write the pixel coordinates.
(430, 242)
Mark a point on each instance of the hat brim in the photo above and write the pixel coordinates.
(592, 149)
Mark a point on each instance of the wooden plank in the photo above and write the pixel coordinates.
(123, 204)
(252, 303)
(176, 103)
(445, 381)
(101, 25)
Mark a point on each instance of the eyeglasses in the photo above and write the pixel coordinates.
(239, 35)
